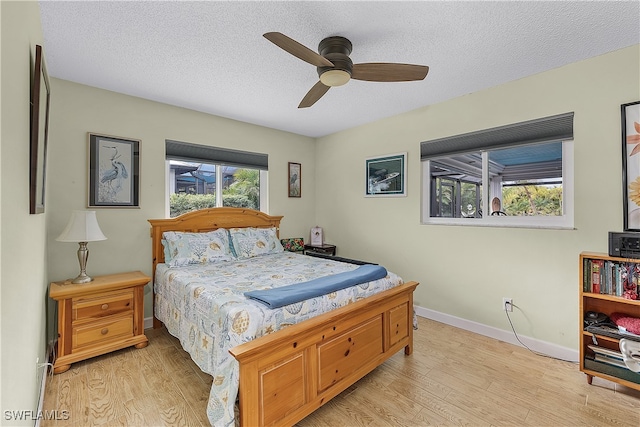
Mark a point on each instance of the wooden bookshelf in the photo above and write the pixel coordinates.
(606, 303)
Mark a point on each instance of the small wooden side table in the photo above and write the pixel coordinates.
(321, 249)
(98, 317)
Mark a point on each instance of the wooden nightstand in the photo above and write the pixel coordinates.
(104, 315)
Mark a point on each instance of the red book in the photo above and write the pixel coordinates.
(596, 275)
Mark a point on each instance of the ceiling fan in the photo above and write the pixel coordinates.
(335, 68)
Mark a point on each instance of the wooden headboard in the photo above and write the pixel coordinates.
(205, 220)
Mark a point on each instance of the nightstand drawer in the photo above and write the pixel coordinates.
(102, 306)
(102, 331)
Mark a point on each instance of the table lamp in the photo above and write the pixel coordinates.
(82, 228)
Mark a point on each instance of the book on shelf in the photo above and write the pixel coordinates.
(596, 275)
(608, 356)
(608, 277)
(586, 275)
(610, 361)
(605, 351)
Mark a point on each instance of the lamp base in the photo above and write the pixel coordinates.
(82, 278)
(83, 255)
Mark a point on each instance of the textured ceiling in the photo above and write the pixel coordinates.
(210, 56)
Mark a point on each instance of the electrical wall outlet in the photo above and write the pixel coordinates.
(507, 304)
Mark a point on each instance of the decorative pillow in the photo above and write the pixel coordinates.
(250, 242)
(196, 248)
(295, 244)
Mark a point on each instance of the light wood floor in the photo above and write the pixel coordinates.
(453, 377)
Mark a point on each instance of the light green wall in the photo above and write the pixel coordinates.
(465, 271)
(23, 276)
(79, 109)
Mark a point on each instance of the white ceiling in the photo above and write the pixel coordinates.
(210, 56)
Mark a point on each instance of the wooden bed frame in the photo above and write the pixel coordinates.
(288, 374)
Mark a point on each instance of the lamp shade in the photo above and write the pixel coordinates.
(82, 227)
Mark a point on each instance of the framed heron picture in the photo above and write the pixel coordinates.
(114, 171)
(295, 180)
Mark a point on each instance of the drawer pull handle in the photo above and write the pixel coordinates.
(104, 331)
(105, 306)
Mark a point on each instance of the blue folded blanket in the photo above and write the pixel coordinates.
(290, 294)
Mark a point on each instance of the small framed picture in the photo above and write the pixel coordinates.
(114, 171)
(317, 239)
(386, 176)
(295, 186)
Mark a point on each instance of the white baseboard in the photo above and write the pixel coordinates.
(534, 344)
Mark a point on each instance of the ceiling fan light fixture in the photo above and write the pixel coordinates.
(335, 78)
(335, 68)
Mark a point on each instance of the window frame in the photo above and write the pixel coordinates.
(264, 185)
(564, 221)
(219, 157)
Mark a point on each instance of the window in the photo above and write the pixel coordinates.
(517, 175)
(202, 177)
(527, 180)
(456, 184)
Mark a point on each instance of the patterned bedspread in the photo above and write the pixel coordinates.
(204, 307)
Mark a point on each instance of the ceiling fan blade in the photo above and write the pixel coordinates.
(313, 95)
(297, 49)
(388, 72)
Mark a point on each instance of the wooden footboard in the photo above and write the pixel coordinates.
(286, 375)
